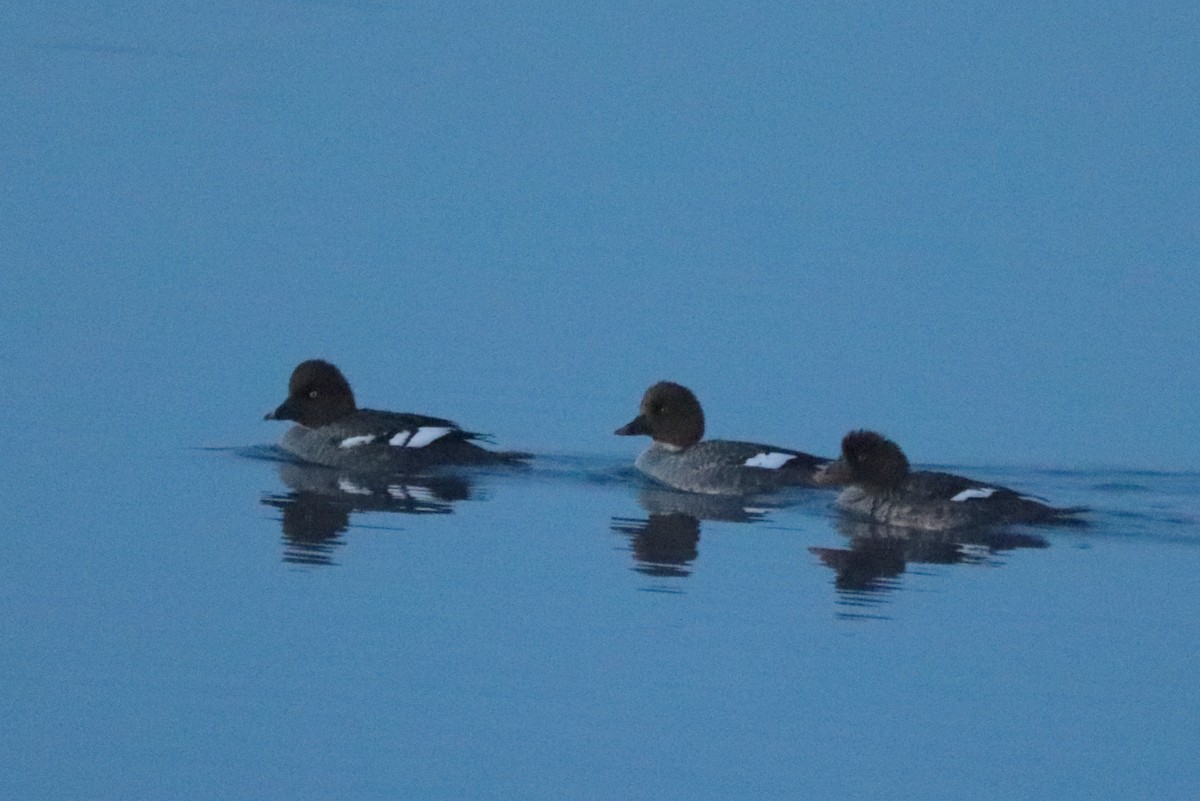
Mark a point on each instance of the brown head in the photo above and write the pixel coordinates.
(670, 414)
(868, 460)
(318, 394)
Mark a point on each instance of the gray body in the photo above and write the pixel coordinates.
(717, 467)
(322, 445)
(925, 502)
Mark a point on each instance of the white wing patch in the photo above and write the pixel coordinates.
(351, 442)
(419, 438)
(770, 460)
(974, 492)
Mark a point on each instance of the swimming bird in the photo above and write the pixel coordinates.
(680, 457)
(880, 485)
(333, 431)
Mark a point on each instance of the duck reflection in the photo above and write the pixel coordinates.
(879, 554)
(667, 542)
(315, 512)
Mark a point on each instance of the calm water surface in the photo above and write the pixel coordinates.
(248, 628)
(974, 231)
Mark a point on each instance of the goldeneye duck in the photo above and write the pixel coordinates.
(334, 432)
(882, 487)
(680, 457)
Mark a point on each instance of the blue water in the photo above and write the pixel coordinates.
(246, 628)
(971, 228)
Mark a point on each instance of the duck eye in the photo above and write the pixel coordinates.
(312, 393)
(659, 409)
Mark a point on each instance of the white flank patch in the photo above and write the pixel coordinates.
(426, 435)
(398, 439)
(351, 442)
(974, 492)
(771, 461)
(350, 488)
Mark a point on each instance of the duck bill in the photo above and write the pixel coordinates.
(832, 474)
(285, 411)
(634, 427)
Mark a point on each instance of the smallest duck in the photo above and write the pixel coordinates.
(333, 431)
(680, 457)
(882, 487)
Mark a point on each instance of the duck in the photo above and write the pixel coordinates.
(879, 484)
(331, 430)
(680, 457)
